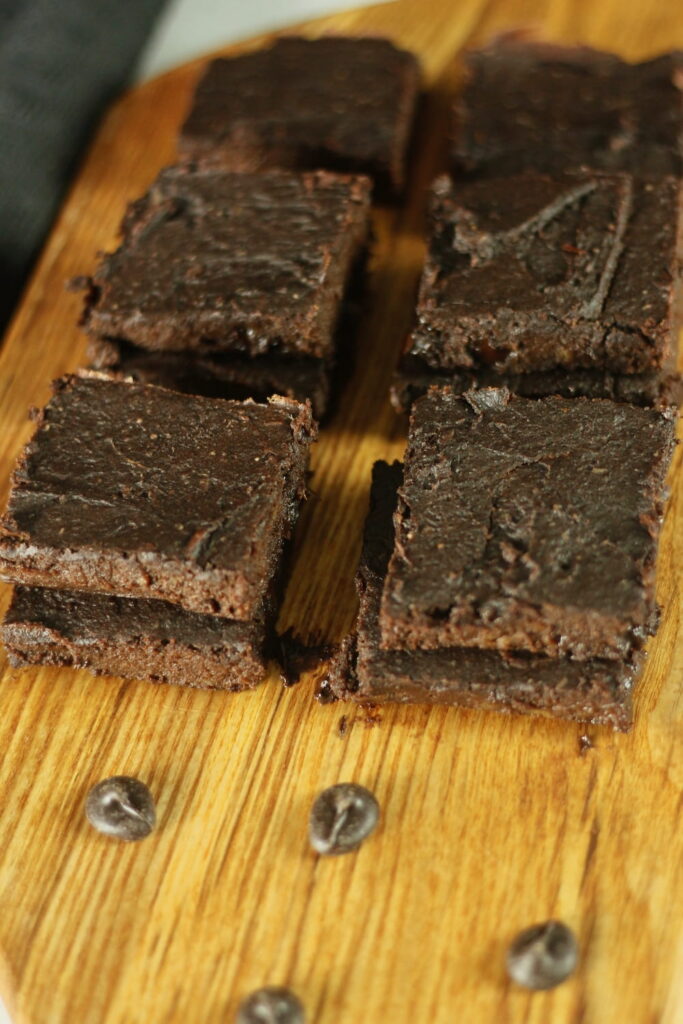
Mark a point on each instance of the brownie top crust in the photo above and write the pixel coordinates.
(340, 103)
(537, 271)
(213, 260)
(553, 108)
(131, 489)
(527, 524)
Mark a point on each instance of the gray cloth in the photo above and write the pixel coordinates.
(61, 63)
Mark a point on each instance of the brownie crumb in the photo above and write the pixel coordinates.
(371, 715)
(585, 744)
(297, 657)
(343, 726)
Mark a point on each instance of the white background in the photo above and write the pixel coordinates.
(188, 28)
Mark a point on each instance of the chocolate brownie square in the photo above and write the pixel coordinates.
(133, 638)
(597, 691)
(527, 524)
(533, 273)
(215, 262)
(344, 104)
(134, 490)
(538, 106)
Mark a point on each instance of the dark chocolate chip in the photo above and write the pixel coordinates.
(341, 818)
(271, 1006)
(121, 807)
(542, 956)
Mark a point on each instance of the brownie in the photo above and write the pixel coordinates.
(537, 272)
(218, 376)
(134, 490)
(597, 690)
(133, 638)
(551, 108)
(657, 389)
(527, 524)
(249, 264)
(345, 104)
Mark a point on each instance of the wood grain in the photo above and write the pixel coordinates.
(489, 823)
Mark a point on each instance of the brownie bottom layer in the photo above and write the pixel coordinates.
(234, 377)
(597, 691)
(654, 389)
(133, 638)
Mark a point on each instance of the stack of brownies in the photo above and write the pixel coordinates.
(510, 562)
(146, 530)
(553, 264)
(240, 271)
(147, 526)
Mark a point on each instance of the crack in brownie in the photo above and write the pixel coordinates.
(133, 638)
(597, 691)
(527, 524)
(553, 108)
(134, 490)
(346, 104)
(534, 273)
(215, 262)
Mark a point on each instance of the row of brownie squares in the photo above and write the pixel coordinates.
(552, 259)
(509, 564)
(510, 561)
(147, 529)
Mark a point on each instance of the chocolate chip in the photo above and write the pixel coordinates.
(542, 956)
(341, 818)
(121, 807)
(271, 1006)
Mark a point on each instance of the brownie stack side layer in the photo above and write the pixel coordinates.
(597, 691)
(134, 639)
(527, 525)
(346, 104)
(543, 107)
(134, 490)
(220, 376)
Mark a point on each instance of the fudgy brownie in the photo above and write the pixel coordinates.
(597, 691)
(551, 108)
(248, 264)
(218, 376)
(537, 272)
(527, 524)
(133, 638)
(134, 490)
(341, 103)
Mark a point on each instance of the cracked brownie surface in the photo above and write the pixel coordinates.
(555, 108)
(134, 490)
(527, 524)
(537, 272)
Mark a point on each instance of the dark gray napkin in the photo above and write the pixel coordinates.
(61, 64)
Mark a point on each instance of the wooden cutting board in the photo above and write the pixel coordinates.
(489, 823)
